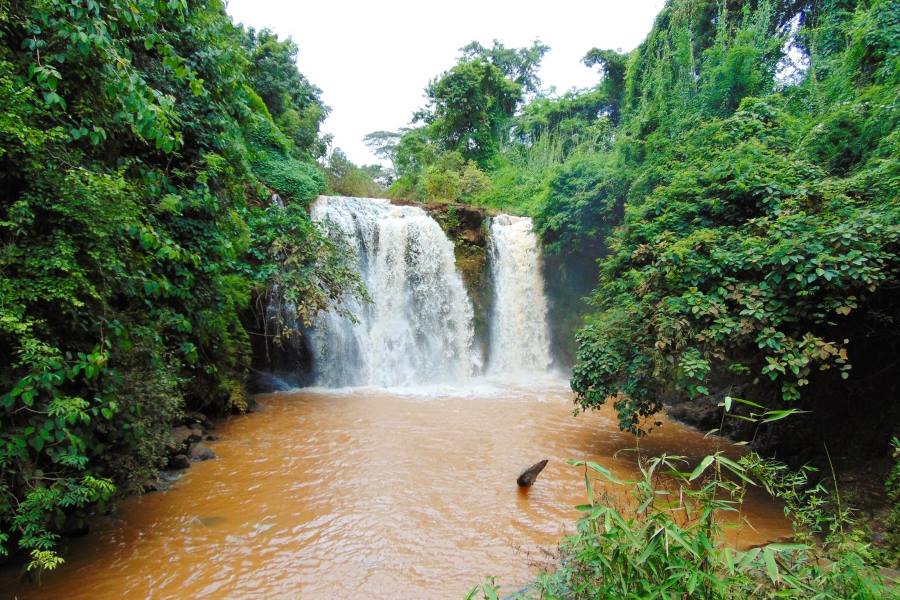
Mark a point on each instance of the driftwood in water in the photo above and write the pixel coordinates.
(530, 474)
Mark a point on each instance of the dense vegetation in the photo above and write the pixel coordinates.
(140, 142)
(737, 174)
(730, 191)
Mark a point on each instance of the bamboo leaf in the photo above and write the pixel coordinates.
(704, 464)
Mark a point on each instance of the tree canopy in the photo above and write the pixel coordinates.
(140, 143)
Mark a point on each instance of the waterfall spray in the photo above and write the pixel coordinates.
(419, 326)
(520, 340)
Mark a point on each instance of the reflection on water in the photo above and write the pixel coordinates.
(326, 493)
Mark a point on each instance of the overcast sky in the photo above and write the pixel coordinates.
(373, 59)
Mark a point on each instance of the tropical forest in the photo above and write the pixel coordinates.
(635, 339)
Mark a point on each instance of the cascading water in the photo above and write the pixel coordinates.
(419, 326)
(520, 339)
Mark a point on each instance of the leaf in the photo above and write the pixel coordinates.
(748, 558)
(675, 535)
(771, 567)
(748, 402)
(734, 468)
(777, 415)
(704, 464)
(490, 593)
(605, 472)
(729, 560)
(783, 547)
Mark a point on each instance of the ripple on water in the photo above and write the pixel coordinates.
(330, 493)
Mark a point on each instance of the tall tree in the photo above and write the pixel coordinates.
(518, 64)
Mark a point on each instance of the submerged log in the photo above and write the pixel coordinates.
(530, 474)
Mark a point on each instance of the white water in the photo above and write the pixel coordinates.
(520, 338)
(418, 329)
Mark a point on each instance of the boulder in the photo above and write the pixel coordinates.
(197, 418)
(183, 436)
(151, 485)
(179, 461)
(200, 453)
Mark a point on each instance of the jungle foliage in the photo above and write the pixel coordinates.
(140, 142)
(736, 175)
(730, 189)
(758, 237)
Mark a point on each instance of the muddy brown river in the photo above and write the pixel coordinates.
(368, 493)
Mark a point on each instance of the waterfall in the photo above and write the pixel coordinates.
(419, 326)
(520, 340)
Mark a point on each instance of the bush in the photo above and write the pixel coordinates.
(292, 179)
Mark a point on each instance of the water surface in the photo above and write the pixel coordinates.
(369, 493)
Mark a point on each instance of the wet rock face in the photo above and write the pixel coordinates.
(702, 415)
(183, 437)
(186, 447)
(193, 418)
(200, 453)
(179, 461)
(461, 222)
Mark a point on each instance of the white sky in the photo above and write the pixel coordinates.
(373, 59)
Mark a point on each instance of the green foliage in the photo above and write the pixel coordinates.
(741, 62)
(571, 118)
(293, 102)
(892, 487)
(131, 134)
(743, 260)
(347, 179)
(272, 161)
(520, 65)
(667, 540)
(448, 178)
(612, 66)
(744, 237)
(292, 179)
(470, 107)
(669, 543)
(465, 125)
(583, 202)
(304, 272)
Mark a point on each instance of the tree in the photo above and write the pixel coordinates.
(384, 143)
(347, 179)
(137, 161)
(517, 64)
(612, 86)
(294, 103)
(470, 108)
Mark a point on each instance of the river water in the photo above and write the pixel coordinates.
(405, 493)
